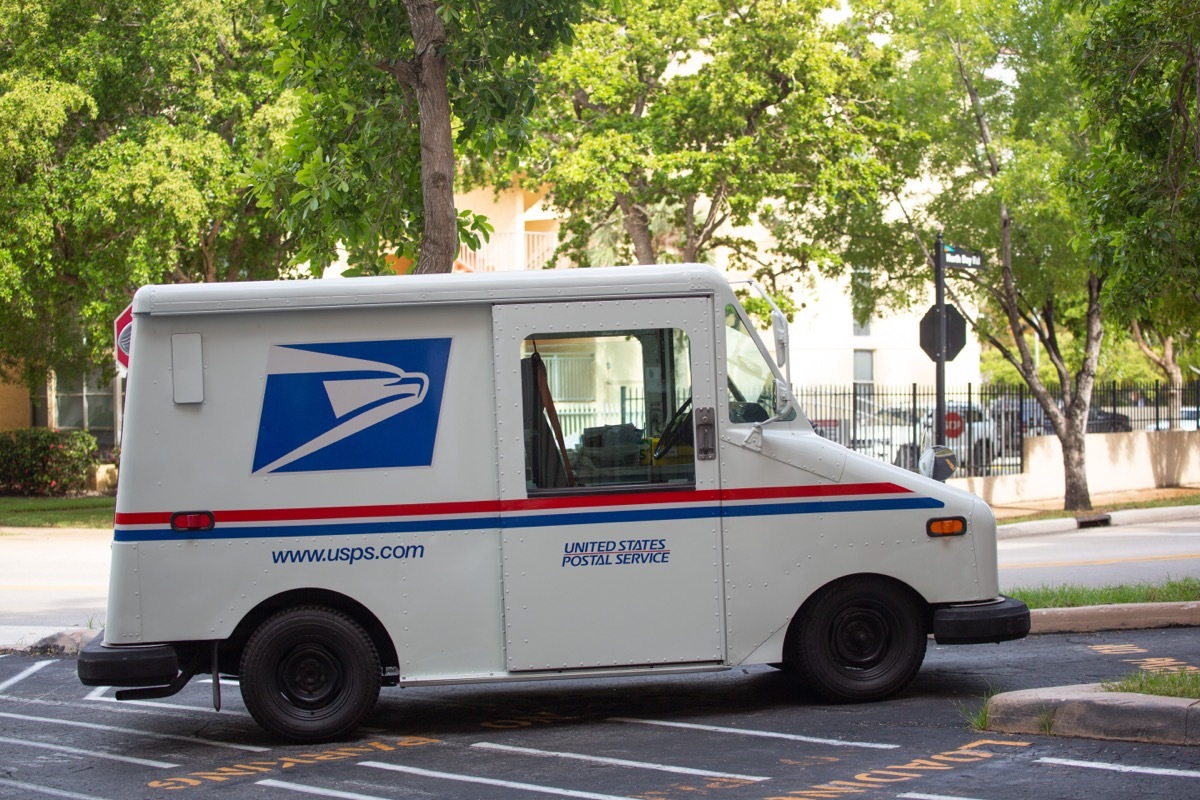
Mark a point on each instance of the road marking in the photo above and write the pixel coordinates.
(152, 734)
(300, 787)
(768, 734)
(145, 762)
(620, 762)
(918, 796)
(527, 787)
(29, 787)
(1066, 762)
(20, 676)
(98, 695)
(1100, 562)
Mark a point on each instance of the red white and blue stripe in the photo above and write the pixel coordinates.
(561, 510)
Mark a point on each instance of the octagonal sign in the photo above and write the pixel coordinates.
(122, 338)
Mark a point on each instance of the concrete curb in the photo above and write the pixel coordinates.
(1130, 516)
(1089, 712)
(1124, 617)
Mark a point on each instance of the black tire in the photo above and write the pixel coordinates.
(310, 674)
(859, 640)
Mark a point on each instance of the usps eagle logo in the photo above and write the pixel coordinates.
(351, 405)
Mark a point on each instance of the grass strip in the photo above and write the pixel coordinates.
(1190, 499)
(57, 512)
(1173, 590)
(1163, 684)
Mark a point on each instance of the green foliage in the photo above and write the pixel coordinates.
(125, 129)
(669, 128)
(1011, 55)
(44, 462)
(349, 171)
(1141, 183)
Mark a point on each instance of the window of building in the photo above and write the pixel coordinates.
(87, 404)
(862, 330)
(864, 366)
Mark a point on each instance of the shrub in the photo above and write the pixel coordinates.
(45, 462)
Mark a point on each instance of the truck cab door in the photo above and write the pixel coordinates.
(610, 513)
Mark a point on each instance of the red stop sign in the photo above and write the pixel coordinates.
(954, 424)
(122, 332)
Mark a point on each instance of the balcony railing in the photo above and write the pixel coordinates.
(508, 252)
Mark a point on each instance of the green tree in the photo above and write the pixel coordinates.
(988, 84)
(678, 124)
(388, 91)
(124, 132)
(1139, 61)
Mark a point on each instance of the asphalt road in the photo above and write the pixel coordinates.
(1099, 556)
(746, 734)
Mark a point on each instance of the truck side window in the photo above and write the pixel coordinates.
(751, 381)
(607, 409)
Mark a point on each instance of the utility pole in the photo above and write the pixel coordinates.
(939, 279)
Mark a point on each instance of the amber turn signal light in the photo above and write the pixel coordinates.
(946, 526)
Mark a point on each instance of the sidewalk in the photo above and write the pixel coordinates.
(53, 600)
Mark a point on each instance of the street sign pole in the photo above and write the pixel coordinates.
(939, 279)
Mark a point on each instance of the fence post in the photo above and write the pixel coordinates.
(1157, 400)
(1021, 424)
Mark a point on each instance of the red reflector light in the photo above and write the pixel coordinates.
(192, 521)
(946, 526)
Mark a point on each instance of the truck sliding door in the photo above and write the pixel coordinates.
(610, 513)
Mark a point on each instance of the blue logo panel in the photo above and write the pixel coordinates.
(351, 405)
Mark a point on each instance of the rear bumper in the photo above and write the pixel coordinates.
(999, 620)
(126, 665)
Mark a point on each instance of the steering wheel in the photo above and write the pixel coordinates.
(681, 423)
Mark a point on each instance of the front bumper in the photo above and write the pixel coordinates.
(1000, 620)
(126, 665)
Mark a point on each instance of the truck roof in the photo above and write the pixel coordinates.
(597, 283)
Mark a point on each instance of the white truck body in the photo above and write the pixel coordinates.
(366, 447)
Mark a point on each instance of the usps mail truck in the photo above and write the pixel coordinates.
(332, 486)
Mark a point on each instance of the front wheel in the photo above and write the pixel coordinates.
(861, 639)
(310, 674)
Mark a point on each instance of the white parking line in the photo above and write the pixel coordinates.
(300, 787)
(527, 787)
(20, 676)
(620, 762)
(144, 762)
(917, 796)
(745, 732)
(30, 787)
(152, 734)
(1066, 762)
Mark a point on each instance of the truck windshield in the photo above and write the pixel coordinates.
(751, 382)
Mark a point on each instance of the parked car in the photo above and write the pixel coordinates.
(1100, 420)
(1016, 419)
(970, 433)
(1186, 421)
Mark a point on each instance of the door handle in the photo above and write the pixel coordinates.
(706, 434)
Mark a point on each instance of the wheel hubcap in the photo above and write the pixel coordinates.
(860, 638)
(310, 676)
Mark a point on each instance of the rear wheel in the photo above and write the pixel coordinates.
(861, 639)
(310, 674)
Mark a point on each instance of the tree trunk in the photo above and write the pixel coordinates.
(1076, 496)
(637, 225)
(439, 244)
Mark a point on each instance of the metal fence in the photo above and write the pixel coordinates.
(986, 425)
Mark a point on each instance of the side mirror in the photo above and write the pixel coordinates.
(779, 331)
(938, 462)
